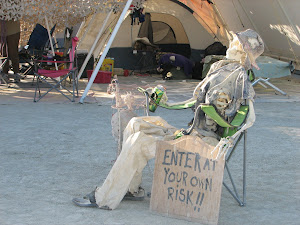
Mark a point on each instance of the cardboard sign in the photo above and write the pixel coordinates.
(187, 183)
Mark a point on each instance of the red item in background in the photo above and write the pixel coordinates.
(103, 77)
(126, 73)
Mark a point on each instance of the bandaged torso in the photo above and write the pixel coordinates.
(226, 87)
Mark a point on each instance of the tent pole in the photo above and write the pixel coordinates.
(216, 10)
(54, 34)
(87, 29)
(94, 45)
(79, 31)
(50, 39)
(95, 72)
(208, 27)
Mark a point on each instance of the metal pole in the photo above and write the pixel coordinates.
(86, 30)
(54, 34)
(95, 72)
(80, 28)
(268, 83)
(221, 18)
(50, 39)
(94, 45)
(244, 169)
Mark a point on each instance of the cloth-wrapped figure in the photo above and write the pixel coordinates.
(226, 87)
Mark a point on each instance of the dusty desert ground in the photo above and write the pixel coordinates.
(55, 150)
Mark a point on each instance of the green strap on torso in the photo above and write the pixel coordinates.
(237, 121)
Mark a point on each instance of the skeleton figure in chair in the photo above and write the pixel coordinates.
(226, 87)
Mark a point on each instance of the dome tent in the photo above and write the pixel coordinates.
(168, 18)
(206, 22)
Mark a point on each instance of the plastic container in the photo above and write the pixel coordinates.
(108, 65)
(126, 73)
(103, 77)
(49, 57)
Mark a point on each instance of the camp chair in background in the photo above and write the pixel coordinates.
(35, 48)
(67, 40)
(145, 53)
(3, 60)
(271, 68)
(55, 78)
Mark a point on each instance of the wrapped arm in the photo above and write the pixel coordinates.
(179, 105)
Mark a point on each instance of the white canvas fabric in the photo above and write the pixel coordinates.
(139, 145)
(121, 118)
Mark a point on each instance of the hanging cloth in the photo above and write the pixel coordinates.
(146, 28)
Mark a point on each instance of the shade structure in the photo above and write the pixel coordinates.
(62, 12)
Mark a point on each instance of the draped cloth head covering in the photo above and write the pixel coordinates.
(252, 44)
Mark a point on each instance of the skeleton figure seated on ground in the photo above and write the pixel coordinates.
(226, 86)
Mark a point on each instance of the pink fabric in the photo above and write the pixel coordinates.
(63, 72)
(53, 73)
(72, 52)
(52, 61)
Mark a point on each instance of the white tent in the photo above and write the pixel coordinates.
(195, 23)
(204, 22)
(277, 21)
(199, 24)
(190, 34)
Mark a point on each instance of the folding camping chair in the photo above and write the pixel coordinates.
(35, 48)
(271, 68)
(230, 129)
(2, 63)
(67, 40)
(145, 53)
(54, 78)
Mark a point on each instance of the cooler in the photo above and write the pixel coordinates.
(103, 77)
